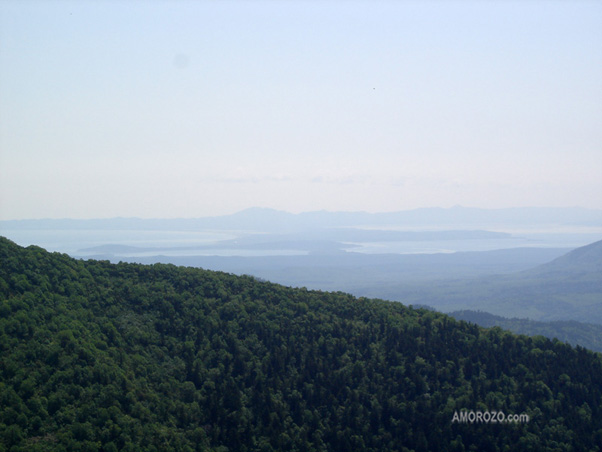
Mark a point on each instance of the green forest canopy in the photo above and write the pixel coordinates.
(105, 357)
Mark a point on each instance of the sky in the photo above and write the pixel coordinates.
(159, 109)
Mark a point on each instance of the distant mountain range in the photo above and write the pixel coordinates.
(271, 220)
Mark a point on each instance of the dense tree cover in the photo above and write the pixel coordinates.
(106, 357)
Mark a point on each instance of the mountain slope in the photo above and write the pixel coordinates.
(568, 288)
(100, 356)
(583, 263)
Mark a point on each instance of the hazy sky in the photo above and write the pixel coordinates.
(195, 108)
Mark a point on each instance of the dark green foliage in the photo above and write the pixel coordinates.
(103, 357)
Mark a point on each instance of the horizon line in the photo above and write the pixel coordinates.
(320, 211)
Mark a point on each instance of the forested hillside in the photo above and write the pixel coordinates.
(105, 357)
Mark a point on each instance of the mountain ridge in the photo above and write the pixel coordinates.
(261, 217)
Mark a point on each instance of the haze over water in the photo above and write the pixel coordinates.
(84, 241)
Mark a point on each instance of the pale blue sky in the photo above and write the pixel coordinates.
(193, 108)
